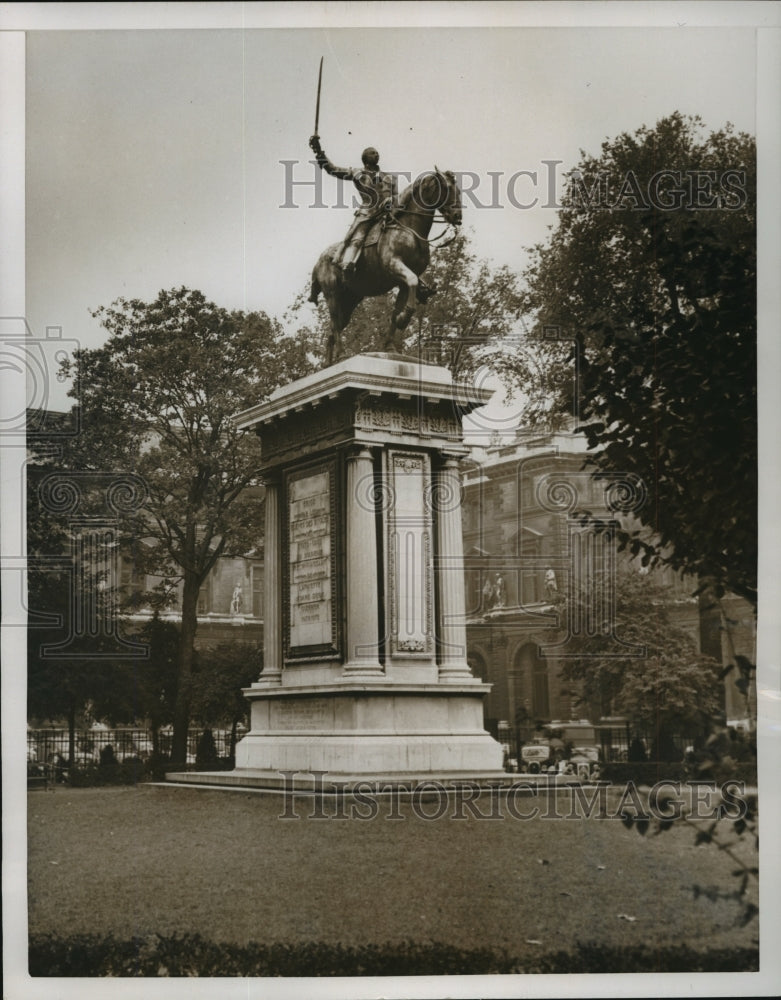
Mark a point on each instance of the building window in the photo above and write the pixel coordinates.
(531, 547)
(130, 580)
(540, 692)
(507, 497)
(533, 671)
(257, 591)
(204, 601)
(469, 515)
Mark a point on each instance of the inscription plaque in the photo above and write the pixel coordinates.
(409, 568)
(312, 713)
(309, 553)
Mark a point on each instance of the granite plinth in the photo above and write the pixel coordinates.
(374, 728)
(365, 669)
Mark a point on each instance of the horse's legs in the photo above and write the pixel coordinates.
(399, 307)
(329, 348)
(340, 307)
(425, 291)
(406, 300)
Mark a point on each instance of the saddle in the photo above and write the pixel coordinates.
(378, 227)
(376, 231)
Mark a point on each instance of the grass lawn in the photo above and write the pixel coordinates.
(144, 860)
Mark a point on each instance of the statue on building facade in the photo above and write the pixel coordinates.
(487, 595)
(500, 591)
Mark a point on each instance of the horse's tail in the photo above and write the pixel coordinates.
(315, 288)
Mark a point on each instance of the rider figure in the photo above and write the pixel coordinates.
(378, 193)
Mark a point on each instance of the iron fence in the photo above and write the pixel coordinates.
(52, 746)
(616, 743)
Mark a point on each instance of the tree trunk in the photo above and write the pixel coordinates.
(232, 751)
(184, 678)
(710, 623)
(72, 735)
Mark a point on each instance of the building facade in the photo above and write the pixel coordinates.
(538, 527)
(230, 602)
(526, 542)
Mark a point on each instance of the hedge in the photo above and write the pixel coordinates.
(191, 955)
(651, 772)
(132, 770)
(129, 772)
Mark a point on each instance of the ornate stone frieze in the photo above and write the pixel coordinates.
(406, 417)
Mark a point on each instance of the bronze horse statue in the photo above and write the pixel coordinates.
(394, 259)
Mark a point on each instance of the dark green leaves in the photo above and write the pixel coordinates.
(661, 304)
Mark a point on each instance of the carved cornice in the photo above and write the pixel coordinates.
(376, 375)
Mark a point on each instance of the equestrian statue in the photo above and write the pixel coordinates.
(387, 245)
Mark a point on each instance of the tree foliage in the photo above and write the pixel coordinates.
(144, 690)
(661, 683)
(221, 673)
(157, 399)
(67, 667)
(647, 289)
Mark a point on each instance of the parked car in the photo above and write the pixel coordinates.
(535, 756)
(133, 746)
(581, 735)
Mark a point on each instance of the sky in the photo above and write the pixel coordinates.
(155, 158)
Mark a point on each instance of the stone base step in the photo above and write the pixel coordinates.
(306, 783)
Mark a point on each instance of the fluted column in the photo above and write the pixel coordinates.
(362, 585)
(450, 568)
(272, 590)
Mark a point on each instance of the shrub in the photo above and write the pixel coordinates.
(129, 772)
(206, 751)
(651, 772)
(191, 955)
(132, 770)
(645, 772)
(157, 765)
(85, 776)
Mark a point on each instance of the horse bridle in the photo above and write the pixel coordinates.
(395, 222)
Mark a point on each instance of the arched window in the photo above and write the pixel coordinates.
(532, 670)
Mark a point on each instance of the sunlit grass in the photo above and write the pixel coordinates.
(136, 861)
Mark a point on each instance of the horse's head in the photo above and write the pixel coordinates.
(450, 205)
(439, 191)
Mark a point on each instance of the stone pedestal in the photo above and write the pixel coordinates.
(365, 670)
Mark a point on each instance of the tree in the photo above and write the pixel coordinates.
(66, 667)
(670, 689)
(144, 689)
(473, 304)
(157, 399)
(650, 281)
(158, 676)
(221, 674)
